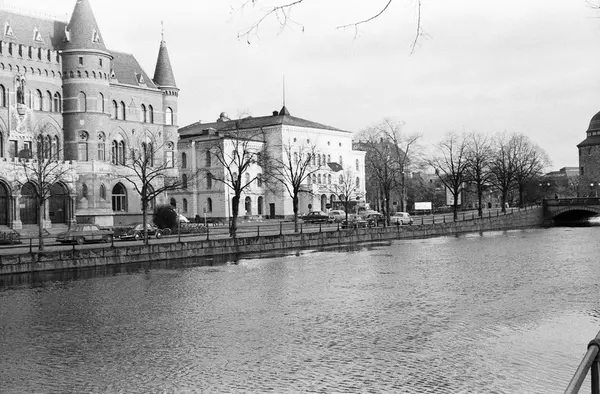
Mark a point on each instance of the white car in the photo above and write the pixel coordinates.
(401, 218)
(337, 215)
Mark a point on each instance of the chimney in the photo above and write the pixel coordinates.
(275, 113)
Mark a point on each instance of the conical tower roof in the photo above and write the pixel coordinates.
(163, 73)
(82, 30)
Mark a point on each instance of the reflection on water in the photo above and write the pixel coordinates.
(497, 312)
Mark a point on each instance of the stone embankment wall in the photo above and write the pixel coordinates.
(87, 258)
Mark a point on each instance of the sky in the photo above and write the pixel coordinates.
(529, 67)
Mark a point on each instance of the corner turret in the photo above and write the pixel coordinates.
(163, 73)
(82, 32)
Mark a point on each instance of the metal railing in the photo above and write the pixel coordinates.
(591, 363)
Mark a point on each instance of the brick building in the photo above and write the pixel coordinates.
(62, 91)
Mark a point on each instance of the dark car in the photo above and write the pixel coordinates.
(316, 217)
(374, 219)
(354, 221)
(80, 233)
(137, 232)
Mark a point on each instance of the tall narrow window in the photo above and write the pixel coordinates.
(54, 148)
(115, 110)
(150, 154)
(48, 147)
(169, 117)
(209, 206)
(1, 145)
(209, 181)
(84, 191)
(357, 182)
(143, 114)
(48, 102)
(259, 181)
(37, 100)
(169, 155)
(122, 153)
(100, 104)
(82, 147)
(57, 102)
(184, 181)
(122, 110)
(119, 198)
(150, 114)
(2, 96)
(208, 158)
(81, 102)
(259, 206)
(356, 164)
(101, 146)
(185, 205)
(115, 152)
(183, 160)
(103, 191)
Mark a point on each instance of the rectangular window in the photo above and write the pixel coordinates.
(13, 148)
(82, 151)
(27, 149)
(101, 151)
(582, 172)
(170, 160)
(119, 203)
(100, 62)
(81, 60)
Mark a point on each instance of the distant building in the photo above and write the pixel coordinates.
(589, 159)
(62, 91)
(333, 157)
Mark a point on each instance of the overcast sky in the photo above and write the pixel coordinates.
(528, 66)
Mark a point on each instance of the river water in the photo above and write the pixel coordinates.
(496, 312)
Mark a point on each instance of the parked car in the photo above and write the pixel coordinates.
(137, 232)
(337, 215)
(80, 233)
(401, 218)
(354, 221)
(316, 217)
(374, 219)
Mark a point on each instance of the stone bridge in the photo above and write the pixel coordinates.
(570, 210)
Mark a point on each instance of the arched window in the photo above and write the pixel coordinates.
(329, 179)
(121, 153)
(173, 203)
(114, 153)
(2, 96)
(185, 205)
(169, 155)
(84, 191)
(209, 205)
(356, 164)
(150, 114)
(1, 145)
(143, 114)
(81, 102)
(248, 205)
(169, 117)
(100, 104)
(259, 180)
(101, 146)
(48, 101)
(119, 198)
(209, 179)
(319, 179)
(48, 152)
(183, 160)
(103, 191)
(122, 110)
(208, 159)
(259, 206)
(149, 154)
(115, 110)
(319, 159)
(184, 181)
(37, 100)
(57, 103)
(54, 148)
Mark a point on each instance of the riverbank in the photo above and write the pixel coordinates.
(186, 250)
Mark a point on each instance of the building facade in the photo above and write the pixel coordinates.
(333, 162)
(589, 160)
(64, 96)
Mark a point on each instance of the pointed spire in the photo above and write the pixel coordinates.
(163, 73)
(83, 31)
(284, 111)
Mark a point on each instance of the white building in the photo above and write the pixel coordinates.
(333, 162)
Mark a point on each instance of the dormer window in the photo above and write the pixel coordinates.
(8, 31)
(95, 36)
(37, 36)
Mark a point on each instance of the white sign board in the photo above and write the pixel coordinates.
(422, 206)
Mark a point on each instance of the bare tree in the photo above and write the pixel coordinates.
(345, 188)
(389, 157)
(479, 154)
(281, 12)
(42, 169)
(150, 175)
(291, 171)
(450, 164)
(529, 162)
(236, 152)
(502, 166)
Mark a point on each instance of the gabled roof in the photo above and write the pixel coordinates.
(196, 129)
(127, 70)
(163, 73)
(23, 28)
(83, 31)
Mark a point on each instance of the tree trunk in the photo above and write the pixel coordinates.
(480, 201)
(145, 219)
(295, 206)
(521, 193)
(455, 205)
(234, 214)
(41, 224)
(504, 196)
(387, 207)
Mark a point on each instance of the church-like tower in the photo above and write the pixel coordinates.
(164, 79)
(589, 157)
(86, 68)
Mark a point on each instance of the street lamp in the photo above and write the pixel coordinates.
(592, 187)
(545, 186)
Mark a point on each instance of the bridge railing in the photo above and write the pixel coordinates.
(591, 363)
(571, 201)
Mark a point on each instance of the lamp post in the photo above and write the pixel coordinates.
(545, 186)
(593, 187)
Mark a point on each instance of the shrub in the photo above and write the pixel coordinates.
(164, 216)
